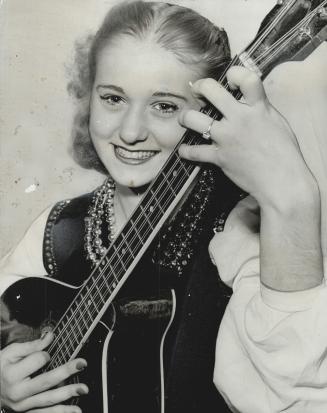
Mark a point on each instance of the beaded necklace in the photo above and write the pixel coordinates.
(102, 207)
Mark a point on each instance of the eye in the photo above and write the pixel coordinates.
(113, 100)
(165, 108)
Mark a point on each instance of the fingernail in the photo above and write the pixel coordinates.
(82, 390)
(44, 334)
(80, 365)
(190, 84)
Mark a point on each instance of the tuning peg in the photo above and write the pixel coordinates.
(305, 31)
(322, 12)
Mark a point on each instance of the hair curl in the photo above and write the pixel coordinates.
(192, 38)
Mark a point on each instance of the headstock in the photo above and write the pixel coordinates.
(291, 31)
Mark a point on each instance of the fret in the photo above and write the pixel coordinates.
(100, 293)
(93, 288)
(87, 312)
(177, 171)
(70, 331)
(80, 332)
(68, 335)
(66, 354)
(72, 337)
(169, 185)
(92, 301)
(145, 215)
(61, 343)
(121, 262)
(128, 240)
(118, 255)
(178, 176)
(106, 285)
(73, 311)
(187, 168)
(56, 362)
(113, 273)
(126, 245)
(136, 232)
(153, 200)
(80, 305)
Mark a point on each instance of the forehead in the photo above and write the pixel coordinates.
(128, 61)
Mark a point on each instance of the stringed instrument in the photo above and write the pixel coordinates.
(83, 318)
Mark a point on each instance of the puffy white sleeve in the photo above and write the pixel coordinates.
(25, 259)
(272, 346)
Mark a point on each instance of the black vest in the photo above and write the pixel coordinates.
(201, 301)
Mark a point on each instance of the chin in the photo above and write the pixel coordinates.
(132, 180)
(134, 176)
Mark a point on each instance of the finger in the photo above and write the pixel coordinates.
(59, 408)
(51, 397)
(200, 122)
(16, 351)
(200, 153)
(29, 365)
(51, 378)
(216, 94)
(249, 84)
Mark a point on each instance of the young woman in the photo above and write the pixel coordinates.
(141, 83)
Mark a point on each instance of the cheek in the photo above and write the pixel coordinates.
(101, 126)
(168, 134)
(97, 129)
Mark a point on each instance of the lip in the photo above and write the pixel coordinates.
(135, 157)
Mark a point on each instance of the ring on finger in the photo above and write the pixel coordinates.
(206, 134)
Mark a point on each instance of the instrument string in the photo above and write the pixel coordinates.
(272, 51)
(287, 37)
(258, 42)
(271, 25)
(104, 284)
(295, 29)
(108, 264)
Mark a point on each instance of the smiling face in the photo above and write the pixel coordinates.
(138, 93)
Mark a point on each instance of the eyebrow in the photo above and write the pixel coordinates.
(157, 94)
(113, 87)
(169, 94)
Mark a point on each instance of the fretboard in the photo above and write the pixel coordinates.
(123, 254)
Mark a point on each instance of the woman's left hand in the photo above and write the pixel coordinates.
(253, 143)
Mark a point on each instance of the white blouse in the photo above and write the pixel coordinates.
(272, 346)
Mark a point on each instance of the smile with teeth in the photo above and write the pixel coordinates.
(133, 156)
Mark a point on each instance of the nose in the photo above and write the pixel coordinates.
(133, 127)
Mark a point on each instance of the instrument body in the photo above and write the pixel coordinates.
(35, 305)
